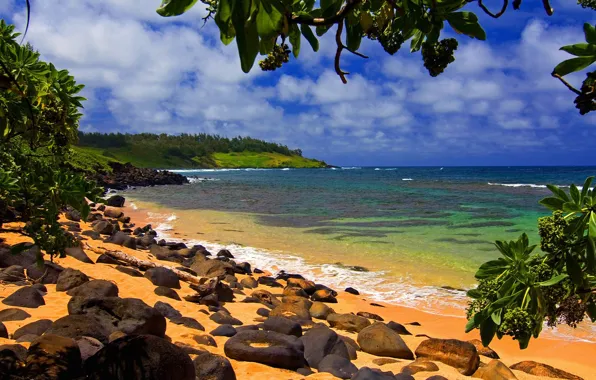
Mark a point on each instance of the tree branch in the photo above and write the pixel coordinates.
(547, 8)
(567, 84)
(485, 9)
(321, 21)
(340, 46)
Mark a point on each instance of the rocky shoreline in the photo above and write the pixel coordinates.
(127, 175)
(126, 304)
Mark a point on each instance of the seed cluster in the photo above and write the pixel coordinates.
(276, 58)
(439, 55)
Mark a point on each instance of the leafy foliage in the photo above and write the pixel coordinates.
(39, 113)
(519, 291)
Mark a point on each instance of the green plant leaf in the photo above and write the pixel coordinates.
(552, 203)
(466, 23)
(20, 247)
(476, 320)
(366, 21)
(269, 24)
(488, 329)
(573, 269)
(295, 39)
(590, 33)
(491, 269)
(310, 37)
(496, 316)
(592, 225)
(417, 41)
(321, 29)
(170, 8)
(591, 254)
(574, 192)
(591, 311)
(247, 37)
(553, 281)
(572, 65)
(586, 187)
(580, 50)
(354, 35)
(558, 192)
(474, 293)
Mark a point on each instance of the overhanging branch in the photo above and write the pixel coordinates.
(493, 15)
(321, 21)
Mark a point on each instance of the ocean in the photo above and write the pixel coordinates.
(408, 235)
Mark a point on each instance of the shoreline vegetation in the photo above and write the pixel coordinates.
(238, 323)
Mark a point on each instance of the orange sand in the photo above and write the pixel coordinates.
(574, 357)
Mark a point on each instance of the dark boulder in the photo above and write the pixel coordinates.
(189, 322)
(112, 213)
(24, 258)
(225, 253)
(13, 274)
(291, 291)
(211, 268)
(69, 279)
(455, 353)
(210, 366)
(88, 346)
(283, 326)
(167, 310)
(352, 291)
(324, 295)
(269, 281)
(224, 318)
(12, 360)
(103, 227)
(243, 268)
(129, 315)
(495, 370)
(46, 274)
(249, 282)
(544, 370)
(319, 310)
(206, 340)
(266, 347)
(263, 312)
(129, 271)
(224, 330)
(105, 259)
(13, 314)
(53, 357)
(140, 357)
(95, 289)
(76, 326)
(25, 297)
(115, 201)
(121, 238)
(420, 365)
(484, 351)
(3, 331)
(79, 254)
(338, 366)
(368, 315)
(167, 292)
(308, 286)
(321, 341)
(348, 322)
(380, 340)
(398, 328)
(366, 373)
(72, 214)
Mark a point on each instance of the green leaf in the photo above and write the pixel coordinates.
(491, 269)
(591, 254)
(247, 37)
(586, 187)
(295, 39)
(553, 281)
(269, 24)
(496, 316)
(170, 8)
(366, 21)
(552, 203)
(20, 247)
(580, 50)
(592, 311)
(503, 302)
(321, 29)
(558, 192)
(466, 23)
(572, 65)
(574, 269)
(416, 43)
(592, 225)
(574, 192)
(488, 329)
(476, 320)
(590, 33)
(310, 37)
(474, 293)
(571, 207)
(354, 35)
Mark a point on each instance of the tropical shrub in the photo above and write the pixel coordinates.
(39, 114)
(520, 291)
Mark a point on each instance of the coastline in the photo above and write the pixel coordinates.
(574, 356)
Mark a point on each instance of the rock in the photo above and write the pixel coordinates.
(25, 297)
(116, 335)
(46, 274)
(296, 311)
(129, 271)
(12, 358)
(383, 361)
(13, 314)
(283, 326)
(380, 340)
(455, 353)
(189, 322)
(305, 371)
(369, 315)
(347, 322)
(419, 366)
(210, 366)
(352, 346)
(41, 288)
(352, 291)
(26, 338)
(53, 357)
(129, 315)
(243, 268)
(211, 268)
(70, 278)
(115, 201)
(188, 349)
(225, 253)
(112, 213)
(338, 366)
(484, 351)
(224, 330)
(366, 373)
(205, 340)
(294, 292)
(324, 295)
(266, 347)
(167, 292)
(78, 253)
(540, 369)
(76, 326)
(105, 259)
(167, 310)
(263, 312)
(72, 214)
(398, 328)
(269, 281)
(319, 310)
(103, 227)
(95, 289)
(121, 238)
(437, 377)
(3, 331)
(224, 318)
(140, 357)
(495, 370)
(24, 258)
(14, 274)
(308, 286)
(321, 341)
(88, 346)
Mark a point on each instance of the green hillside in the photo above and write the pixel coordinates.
(95, 151)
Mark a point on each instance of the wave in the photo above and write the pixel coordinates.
(351, 167)
(407, 179)
(285, 169)
(201, 179)
(518, 185)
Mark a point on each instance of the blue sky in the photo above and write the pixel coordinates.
(496, 105)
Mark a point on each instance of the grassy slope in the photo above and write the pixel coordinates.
(87, 158)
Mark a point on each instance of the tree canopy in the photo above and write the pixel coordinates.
(266, 27)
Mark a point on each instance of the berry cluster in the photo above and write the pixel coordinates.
(439, 55)
(391, 41)
(587, 3)
(276, 58)
(586, 102)
(517, 323)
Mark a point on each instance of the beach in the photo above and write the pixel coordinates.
(571, 356)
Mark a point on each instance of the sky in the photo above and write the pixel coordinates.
(495, 105)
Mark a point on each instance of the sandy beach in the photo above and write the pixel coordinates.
(572, 356)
